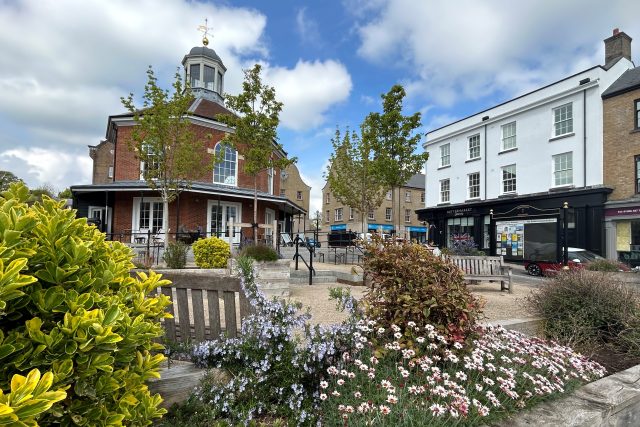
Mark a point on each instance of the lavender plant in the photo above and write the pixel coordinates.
(276, 362)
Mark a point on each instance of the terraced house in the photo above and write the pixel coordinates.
(126, 208)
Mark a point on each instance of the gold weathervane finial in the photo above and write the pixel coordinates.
(204, 29)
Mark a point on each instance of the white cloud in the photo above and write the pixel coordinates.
(308, 90)
(468, 49)
(51, 166)
(307, 28)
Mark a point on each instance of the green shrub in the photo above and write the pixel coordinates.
(68, 305)
(175, 255)
(211, 253)
(409, 283)
(589, 310)
(259, 253)
(604, 265)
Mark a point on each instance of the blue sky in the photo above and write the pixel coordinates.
(65, 63)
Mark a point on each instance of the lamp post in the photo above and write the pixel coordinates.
(565, 226)
(317, 220)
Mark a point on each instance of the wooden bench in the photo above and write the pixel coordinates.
(196, 297)
(484, 268)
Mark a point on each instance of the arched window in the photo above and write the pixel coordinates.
(225, 171)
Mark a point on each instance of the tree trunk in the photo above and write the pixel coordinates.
(165, 220)
(255, 210)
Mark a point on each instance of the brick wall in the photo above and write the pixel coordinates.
(127, 166)
(102, 156)
(621, 144)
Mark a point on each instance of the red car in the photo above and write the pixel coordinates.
(578, 258)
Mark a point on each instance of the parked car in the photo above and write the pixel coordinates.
(578, 258)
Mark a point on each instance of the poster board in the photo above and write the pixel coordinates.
(528, 239)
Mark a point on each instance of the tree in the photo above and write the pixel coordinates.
(394, 141)
(353, 175)
(38, 193)
(6, 179)
(164, 142)
(255, 122)
(65, 194)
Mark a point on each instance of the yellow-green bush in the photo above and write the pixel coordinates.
(28, 398)
(68, 305)
(211, 253)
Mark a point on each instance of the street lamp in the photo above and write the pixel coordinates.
(565, 226)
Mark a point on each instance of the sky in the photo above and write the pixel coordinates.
(64, 64)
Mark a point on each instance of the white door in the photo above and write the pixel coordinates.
(104, 215)
(269, 217)
(218, 217)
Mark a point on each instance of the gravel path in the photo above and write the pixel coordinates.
(499, 305)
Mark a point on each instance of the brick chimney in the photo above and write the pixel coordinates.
(616, 46)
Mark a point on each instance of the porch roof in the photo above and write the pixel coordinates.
(196, 187)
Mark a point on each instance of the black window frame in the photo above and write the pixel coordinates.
(636, 162)
(636, 111)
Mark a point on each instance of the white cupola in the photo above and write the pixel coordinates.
(204, 71)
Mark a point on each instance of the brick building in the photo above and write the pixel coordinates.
(337, 217)
(294, 188)
(127, 209)
(621, 125)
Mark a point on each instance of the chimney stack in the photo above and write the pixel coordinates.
(617, 46)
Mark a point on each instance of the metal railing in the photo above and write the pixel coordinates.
(297, 256)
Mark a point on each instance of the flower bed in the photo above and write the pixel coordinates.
(431, 381)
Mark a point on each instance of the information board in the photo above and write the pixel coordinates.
(528, 239)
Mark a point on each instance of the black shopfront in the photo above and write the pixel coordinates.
(585, 216)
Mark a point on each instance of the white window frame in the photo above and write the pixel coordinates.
(328, 216)
(235, 177)
(143, 164)
(298, 195)
(503, 181)
(229, 239)
(407, 215)
(351, 211)
(568, 119)
(110, 172)
(473, 139)
(557, 172)
(337, 215)
(509, 132)
(445, 190)
(371, 214)
(389, 195)
(327, 198)
(268, 232)
(135, 215)
(270, 180)
(473, 187)
(407, 196)
(445, 156)
(388, 214)
(101, 210)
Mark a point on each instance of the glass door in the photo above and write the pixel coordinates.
(219, 216)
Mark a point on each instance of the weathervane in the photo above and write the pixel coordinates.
(204, 29)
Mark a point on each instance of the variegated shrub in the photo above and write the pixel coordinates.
(69, 306)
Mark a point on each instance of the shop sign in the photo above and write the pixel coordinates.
(626, 211)
(459, 212)
(338, 227)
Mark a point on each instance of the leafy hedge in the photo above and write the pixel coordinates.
(69, 306)
(259, 253)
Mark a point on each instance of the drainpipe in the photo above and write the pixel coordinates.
(584, 137)
(485, 163)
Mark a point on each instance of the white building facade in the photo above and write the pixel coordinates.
(533, 152)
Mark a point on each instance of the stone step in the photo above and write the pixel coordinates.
(316, 279)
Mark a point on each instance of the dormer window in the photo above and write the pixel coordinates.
(195, 75)
(225, 172)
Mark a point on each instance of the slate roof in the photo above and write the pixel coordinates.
(207, 52)
(201, 187)
(416, 181)
(628, 81)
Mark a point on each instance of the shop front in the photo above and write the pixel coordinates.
(381, 228)
(417, 234)
(622, 228)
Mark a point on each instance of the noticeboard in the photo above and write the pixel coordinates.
(528, 239)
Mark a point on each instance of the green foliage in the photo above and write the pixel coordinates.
(175, 255)
(29, 397)
(211, 252)
(589, 310)
(6, 179)
(68, 305)
(259, 253)
(409, 283)
(604, 265)
(255, 123)
(394, 141)
(65, 194)
(353, 173)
